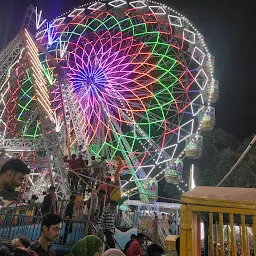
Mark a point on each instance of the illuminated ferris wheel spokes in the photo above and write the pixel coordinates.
(137, 79)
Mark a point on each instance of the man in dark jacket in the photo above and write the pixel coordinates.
(68, 216)
(47, 205)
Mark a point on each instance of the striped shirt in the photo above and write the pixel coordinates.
(107, 220)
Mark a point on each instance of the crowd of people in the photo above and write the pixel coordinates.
(99, 207)
(94, 170)
(99, 211)
(91, 245)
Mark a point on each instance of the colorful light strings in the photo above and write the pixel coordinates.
(135, 81)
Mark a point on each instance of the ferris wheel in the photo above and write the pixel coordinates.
(132, 79)
(140, 79)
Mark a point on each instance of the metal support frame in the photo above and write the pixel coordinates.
(60, 179)
(29, 21)
(40, 182)
(68, 96)
(31, 119)
(10, 54)
(18, 145)
(49, 141)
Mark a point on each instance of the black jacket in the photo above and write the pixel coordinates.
(47, 205)
(69, 210)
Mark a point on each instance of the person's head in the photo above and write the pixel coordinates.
(93, 158)
(73, 157)
(44, 193)
(113, 205)
(108, 180)
(21, 242)
(155, 250)
(12, 173)
(34, 198)
(133, 237)
(102, 193)
(80, 147)
(73, 198)
(89, 246)
(141, 238)
(51, 226)
(52, 190)
(7, 249)
(113, 252)
(103, 159)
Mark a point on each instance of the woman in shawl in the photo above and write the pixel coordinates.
(113, 252)
(88, 246)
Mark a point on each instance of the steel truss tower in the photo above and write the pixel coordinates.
(26, 105)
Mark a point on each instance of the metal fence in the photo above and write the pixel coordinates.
(15, 225)
(35, 209)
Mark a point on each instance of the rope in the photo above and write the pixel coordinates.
(93, 179)
(238, 161)
(102, 182)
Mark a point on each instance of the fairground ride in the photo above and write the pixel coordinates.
(122, 78)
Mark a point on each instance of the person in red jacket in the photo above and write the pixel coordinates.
(73, 165)
(108, 188)
(80, 163)
(135, 248)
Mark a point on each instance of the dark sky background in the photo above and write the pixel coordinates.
(229, 29)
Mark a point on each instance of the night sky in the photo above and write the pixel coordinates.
(228, 27)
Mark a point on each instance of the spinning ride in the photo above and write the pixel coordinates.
(123, 78)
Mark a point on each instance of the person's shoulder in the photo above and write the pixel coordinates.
(128, 243)
(134, 243)
(47, 196)
(51, 250)
(70, 204)
(101, 186)
(35, 244)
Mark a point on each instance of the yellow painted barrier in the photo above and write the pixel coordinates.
(229, 217)
(171, 243)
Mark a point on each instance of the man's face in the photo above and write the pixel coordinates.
(51, 233)
(13, 180)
